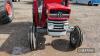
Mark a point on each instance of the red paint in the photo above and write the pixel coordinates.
(8, 8)
(35, 13)
(52, 1)
(58, 19)
(56, 6)
(44, 15)
(49, 5)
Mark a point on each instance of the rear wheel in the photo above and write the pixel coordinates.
(32, 38)
(76, 37)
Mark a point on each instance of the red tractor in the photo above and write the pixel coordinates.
(54, 19)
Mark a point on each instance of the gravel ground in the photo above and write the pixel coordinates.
(13, 36)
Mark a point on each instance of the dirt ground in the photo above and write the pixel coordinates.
(14, 39)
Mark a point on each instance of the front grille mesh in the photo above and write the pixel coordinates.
(58, 16)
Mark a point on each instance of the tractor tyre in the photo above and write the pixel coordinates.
(32, 36)
(76, 37)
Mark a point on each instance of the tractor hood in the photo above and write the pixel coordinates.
(58, 12)
(57, 6)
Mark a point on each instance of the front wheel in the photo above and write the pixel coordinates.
(76, 37)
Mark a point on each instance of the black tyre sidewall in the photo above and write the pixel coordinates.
(79, 41)
(31, 41)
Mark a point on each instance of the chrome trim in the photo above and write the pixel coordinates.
(57, 14)
(49, 21)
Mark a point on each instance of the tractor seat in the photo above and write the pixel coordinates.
(57, 6)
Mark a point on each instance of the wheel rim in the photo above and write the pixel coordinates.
(9, 9)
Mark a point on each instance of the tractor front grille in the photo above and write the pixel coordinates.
(58, 16)
(57, 28)
(56, 25)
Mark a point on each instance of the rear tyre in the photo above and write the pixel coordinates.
(76, 37)
(32, 38)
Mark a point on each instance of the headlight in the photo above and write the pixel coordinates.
(50, 26)
(66, 25)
